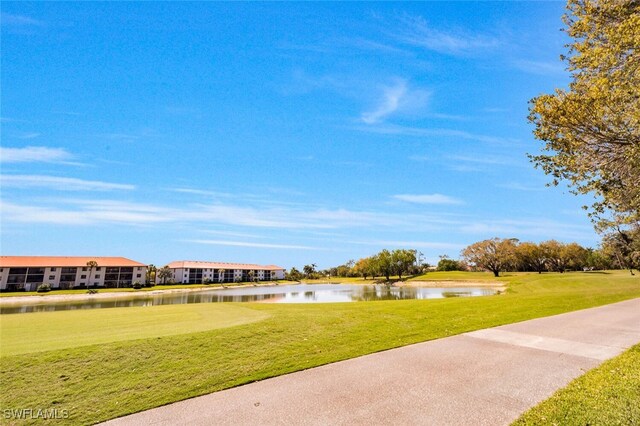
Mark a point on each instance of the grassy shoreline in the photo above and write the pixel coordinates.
(100, 381)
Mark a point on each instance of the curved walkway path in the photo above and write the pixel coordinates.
(486, 377)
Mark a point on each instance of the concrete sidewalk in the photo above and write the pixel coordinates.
(486, 377)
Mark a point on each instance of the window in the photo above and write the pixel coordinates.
(52, 269)
(97, 276)
(138, 276)
(52, 277)
(83, 276)
(97, 268)
(84, 269)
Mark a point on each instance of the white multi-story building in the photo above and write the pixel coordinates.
(18, 273)
(195, 272)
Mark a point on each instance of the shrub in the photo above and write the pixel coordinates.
(44, 288)
(137, 285)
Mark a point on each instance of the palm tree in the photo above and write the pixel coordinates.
(251, 276)
(151, 274)
(91, 265)
(164, 273)
(221, 275)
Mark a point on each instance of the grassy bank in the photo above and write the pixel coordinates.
(101, 381)
(160, 287)
(607, 395)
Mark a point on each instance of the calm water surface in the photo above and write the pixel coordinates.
(300, 293)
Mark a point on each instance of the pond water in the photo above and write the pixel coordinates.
(298, 293)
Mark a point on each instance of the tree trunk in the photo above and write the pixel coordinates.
(496, 272)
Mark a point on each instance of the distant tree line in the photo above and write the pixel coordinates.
(496, 255)
(400, 262)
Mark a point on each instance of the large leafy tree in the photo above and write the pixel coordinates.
(402, 260)
(592, 129)
(495, 254)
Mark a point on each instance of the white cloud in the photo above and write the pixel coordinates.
(252, 244)
(421, 132)
(411, 244)
(482, 159)
(420, 158)
(521, 228)
(389, 103)
(427, 199)
(416, 31)
(28, 135)
(35, 154)
(59, 183)
(521, 187)
(540, 67)
(18, 20)
(396, 98)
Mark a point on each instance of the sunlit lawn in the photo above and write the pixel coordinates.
(607, 395)
(113, 378)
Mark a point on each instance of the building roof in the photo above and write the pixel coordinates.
(221, 265)
(64, 261)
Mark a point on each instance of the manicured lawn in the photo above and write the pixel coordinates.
(50, 330)
(102, 381)
(607, 395)
(465, 276)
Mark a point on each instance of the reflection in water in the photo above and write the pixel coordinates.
(301, 293)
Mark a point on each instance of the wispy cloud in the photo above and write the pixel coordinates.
(59, 183)
(28, 135)
(521, 187)
(420, 158)
(421, 132)
(540, 67)
(427, 199)
(417, 244)
(416, 31)
(253, 244)
(481, 159)
(389, 103)
(203, 192)
(527, 228)
(394, 98)
(263, 215)
(35, 154)
(18, 20)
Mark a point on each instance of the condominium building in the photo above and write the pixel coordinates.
(18, 273)
(195, 272)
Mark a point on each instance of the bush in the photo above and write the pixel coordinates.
(449, 265)
(44, 288)
(137, 285)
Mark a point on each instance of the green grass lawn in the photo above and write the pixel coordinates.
(607, 395)
(104, 380)
(50, 330)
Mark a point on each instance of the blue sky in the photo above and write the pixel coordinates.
(286, 133)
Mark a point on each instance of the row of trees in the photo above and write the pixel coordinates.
(385, 263)
(497, 255)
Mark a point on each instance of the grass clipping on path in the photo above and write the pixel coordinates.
(607, 395)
